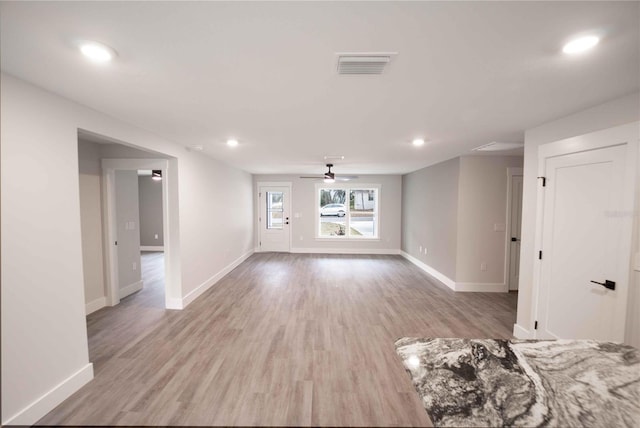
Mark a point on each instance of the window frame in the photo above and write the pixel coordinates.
(348, 187)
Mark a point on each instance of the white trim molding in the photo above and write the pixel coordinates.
(520, 332)
(362, 251)
(194, 294)
(95, 305)
(481, 287)
(431, 271)
(170, 224)
(47, 402)
(130, 289)
(474, 287)
(151, 248)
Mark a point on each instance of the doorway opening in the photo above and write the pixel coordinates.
(126, 241)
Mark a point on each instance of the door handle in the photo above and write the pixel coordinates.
(611, 285)
(514, 239)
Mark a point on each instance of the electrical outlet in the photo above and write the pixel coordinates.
(425, 251)
(483, 266)
(301, 238)
(155, 236)
(420, 249)
(135, 266)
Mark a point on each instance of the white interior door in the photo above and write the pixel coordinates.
(584, 239)
(275, 203)
(516, 225)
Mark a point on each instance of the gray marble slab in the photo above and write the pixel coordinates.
(489, 382)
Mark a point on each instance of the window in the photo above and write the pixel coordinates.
(348, 212)
(274, 210)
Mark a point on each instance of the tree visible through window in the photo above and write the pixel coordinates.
(348, 212)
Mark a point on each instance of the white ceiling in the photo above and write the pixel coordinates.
(466, 73)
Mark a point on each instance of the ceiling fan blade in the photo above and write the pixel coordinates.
(346, 177)
(313, 176)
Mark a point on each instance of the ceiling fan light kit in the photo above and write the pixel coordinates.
(330, 177)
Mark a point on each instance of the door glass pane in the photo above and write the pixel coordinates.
(275, 210)
(362, 205)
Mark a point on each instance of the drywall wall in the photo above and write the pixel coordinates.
(150, 203)
(91, 224)
(218, 237)
(616, 112)
(633, 313)
(44, 340)
(304, 203)
(128, 233)
(482, 208)
(429, 215)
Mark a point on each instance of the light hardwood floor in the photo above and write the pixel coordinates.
(283, 339)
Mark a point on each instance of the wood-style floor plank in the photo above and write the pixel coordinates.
(284, 339)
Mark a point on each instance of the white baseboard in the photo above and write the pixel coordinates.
(431, 271)
(520, 332)
(193, 295)
(172, 303)
(478, 287)
(94, 305)
(130, 289)
(151, 248)
(345, 251)
(46, 403)
(474, 287)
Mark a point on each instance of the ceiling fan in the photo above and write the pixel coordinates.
(330, 176)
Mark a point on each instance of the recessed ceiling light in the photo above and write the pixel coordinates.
(580, 45)
(97, 52)
(232, 142)
(418, 142)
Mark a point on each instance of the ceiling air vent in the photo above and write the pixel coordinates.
(363, 63)
(497, 146)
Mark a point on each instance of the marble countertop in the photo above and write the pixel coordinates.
(490, 382)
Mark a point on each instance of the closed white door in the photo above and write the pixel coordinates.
(274, 218)
(584, 239)
(516, 225)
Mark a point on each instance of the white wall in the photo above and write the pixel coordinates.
(429, 215)
(616, 112)
(150, 203)
(91, 224)
(482, 203)
(44, 339)
(304, 203)
(451, 208)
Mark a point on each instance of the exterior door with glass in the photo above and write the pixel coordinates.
(274, 218)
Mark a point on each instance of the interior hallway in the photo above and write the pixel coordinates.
(284, 339)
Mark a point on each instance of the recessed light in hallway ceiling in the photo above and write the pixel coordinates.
(97, 52)
(581, 44)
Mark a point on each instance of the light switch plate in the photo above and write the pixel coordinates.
(637, 264)
(498, 227)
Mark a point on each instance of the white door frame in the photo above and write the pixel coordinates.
(511, 172)
(261, 184)
(169, 225)
(619, 135)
